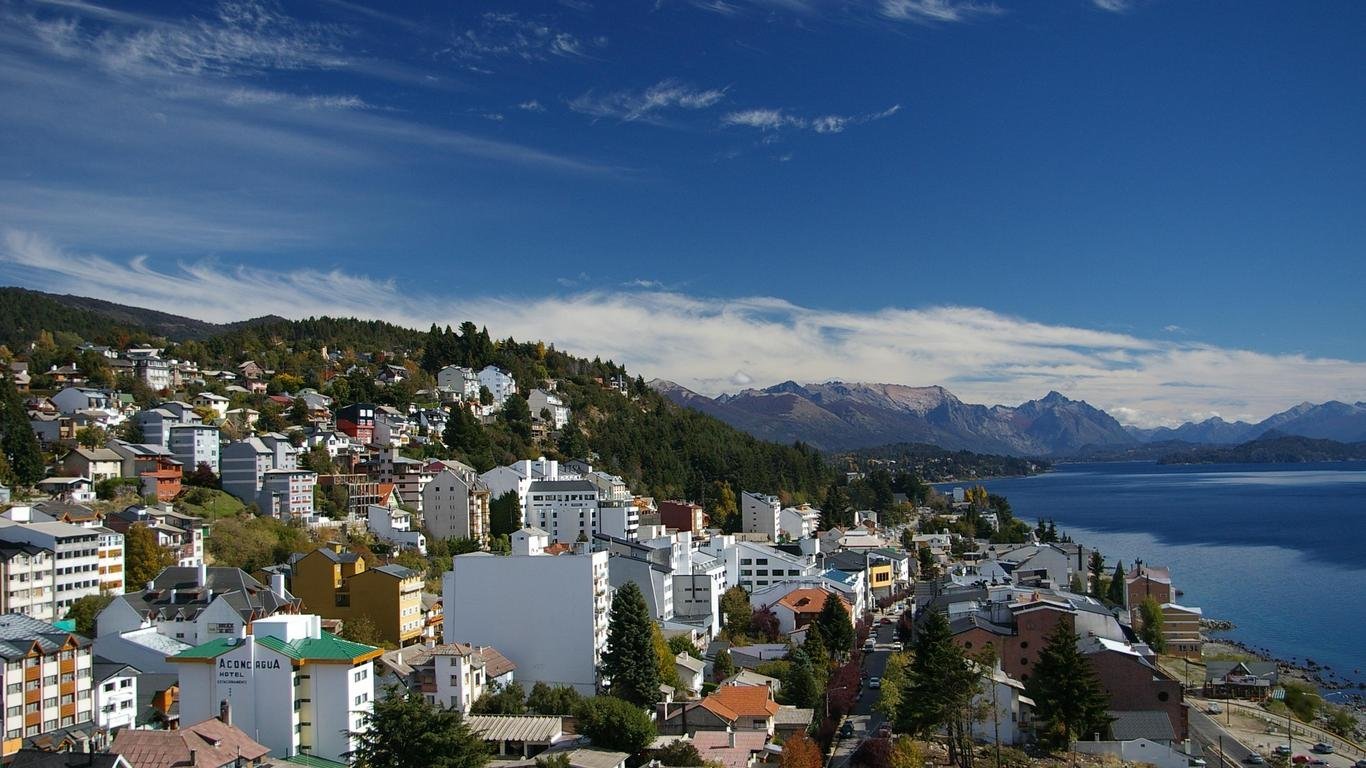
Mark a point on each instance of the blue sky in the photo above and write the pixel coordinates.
(1156, 205)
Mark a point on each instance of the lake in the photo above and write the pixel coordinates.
(1277, 549)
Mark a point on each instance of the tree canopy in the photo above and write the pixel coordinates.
(404, 731)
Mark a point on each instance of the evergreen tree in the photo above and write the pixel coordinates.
(404, 731)
(815, 649)
(507, 699)
(928, 567)
(736, 611)
(1052, 532)
(553, 700)
(17, 441)
(1096, 565)
(1150, 621)
(630, 661)
(937, 680)
(572, 443)
(1117, 587)
(801, 687)
(1068, 700)
(835, 625)
(722, 667)
(836, 509)
(505, 514)
(517, 416)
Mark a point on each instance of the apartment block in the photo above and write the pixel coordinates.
(75, 558)
(456, 504)
(337, 584)
(759, 513)
(47, 680)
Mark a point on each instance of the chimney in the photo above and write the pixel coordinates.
(201, 576)
(194, 758)
(225, 712)
(277, 584)
(730, 737)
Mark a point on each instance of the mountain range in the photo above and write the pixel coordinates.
(840, 415)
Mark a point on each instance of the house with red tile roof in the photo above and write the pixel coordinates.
(800, 607)
(210, 743)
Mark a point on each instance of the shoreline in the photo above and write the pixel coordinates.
(1330, 685)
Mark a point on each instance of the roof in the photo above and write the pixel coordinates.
(213, 742)
(495, 664)
(1218, 670)
(794, 716)
(312, 761)
(397, 571)
(714, 746)
(532, 728)
(809, 600)
(20, 633)
(559, 486)
(41, 758)
(102, 669)
(1151, 724)
(688, 662)
(750, 677)
(176, 594)
(742, 701)
(328, 647)
(97, 454)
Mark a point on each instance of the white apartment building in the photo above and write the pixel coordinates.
(499, 383)
(455, 675)
(546, 612)
(698, 589)
(29, 581)
(757, 566)
(459, 381)
(519, 476)
(456, 503)
(296, 689)
(287, 494)
(798, 522)
(194, 444)
(759, 513)
(566, 509)
(75, 561)
(395, 527)
(116, 694)
(47, 680)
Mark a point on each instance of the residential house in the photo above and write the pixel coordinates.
(395, 527)
(548, 407)
(689, 669)
(499, 383)
(799, 607)
(461, 383)
(1254, 680)
(94, 464)
(72, 400)
(504, 602)
(216, 403)
(1135, 683)
(211, 743)
(337, 584)
(455, 675)
(115, 689)
(298, 689)
(357, 421)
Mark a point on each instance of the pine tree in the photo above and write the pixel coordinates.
(1069, 702)
(835, 625)
(815, 648)
(1116, 593)
(1150, 621)
(939, 680)
(1096, 565)
(404, 731)
(801, 687)
(630, 662)
(17, 441)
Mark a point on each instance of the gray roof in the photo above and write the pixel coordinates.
(176, 594)
(561, 486)
(975, 620)
(398, 571)
(533, 728)
(18, 634)
(1218, 670)
(1151, 724)
(102, 669)
(40, 758)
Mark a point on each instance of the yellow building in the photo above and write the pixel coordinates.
(337, 584)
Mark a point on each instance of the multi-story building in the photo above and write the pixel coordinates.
(395, 526)
(195, 444)
(756, 566)
(110, 551)
(518, 477)
(29, 581)
(115, 689)
(566, 509)
(245, 463)
(455, 675)
(183, 607)
(358, 422)
(75, 558)
(683, 516)
(392, 427)
(297, 689)
(456, 504)
(47, 680)
(1181, 631)
(408, 476)
(287, 494)
(461, 383)
(93, 464)
(798, 522)
(500, 384)
(156, 422)
(548, 406)
(759, 513)
(509, 602)
(1145, 582)
(181, 534)
(336, 584)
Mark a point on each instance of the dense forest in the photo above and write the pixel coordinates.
(934, 464)
(1271, 448)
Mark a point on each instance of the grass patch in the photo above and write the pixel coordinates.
(210, 504)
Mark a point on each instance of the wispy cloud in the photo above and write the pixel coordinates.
(1113, 6)
(714, 345)
(642, 105)
(531, 105)
(937, 11)
(767, 119)
(512, 36)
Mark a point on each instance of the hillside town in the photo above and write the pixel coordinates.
(546, 609)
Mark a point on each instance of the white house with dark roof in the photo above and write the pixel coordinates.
(567, 509)
(115, 687)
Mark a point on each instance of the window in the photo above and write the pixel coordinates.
(14, 711)
(50, 702)
(1162, 696)
(69, 698)
(13, 688)
(1024, 661)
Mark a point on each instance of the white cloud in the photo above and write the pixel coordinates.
(711, 345)
(531, 105)
(769, 119)
(643, 105)
(511, 36)
(1113, 6)
(937, 11)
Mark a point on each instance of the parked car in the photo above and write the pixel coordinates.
(874, 682)
(1254, 759)
(1282, 749)
(1214, 708)
(1322, 748)
(1359, 764)
(846, 730)
(898, 646)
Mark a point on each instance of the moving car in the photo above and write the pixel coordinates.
(1254, 759)
(846, 730)
(874, 682)
(1214, 708)
(1282, 749)
(1322, 748)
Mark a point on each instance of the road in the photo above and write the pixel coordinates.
(1207, 733)
(863, 719)
(1205, 730)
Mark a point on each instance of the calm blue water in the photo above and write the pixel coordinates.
(1278, 549)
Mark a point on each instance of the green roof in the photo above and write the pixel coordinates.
(329, 647)
(313, 762)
